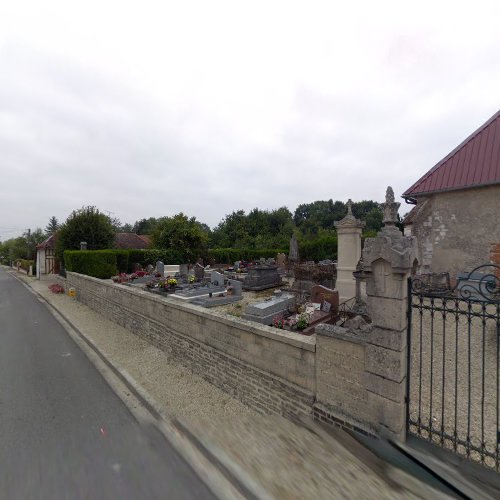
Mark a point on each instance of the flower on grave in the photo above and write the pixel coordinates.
(133, 276)
(172, 282)
(191, 279)
(278, 322)
(302, 322)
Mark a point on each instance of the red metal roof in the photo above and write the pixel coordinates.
(475, 162)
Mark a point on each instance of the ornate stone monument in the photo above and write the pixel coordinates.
(349, 231)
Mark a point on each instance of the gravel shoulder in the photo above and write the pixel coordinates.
(286, 460)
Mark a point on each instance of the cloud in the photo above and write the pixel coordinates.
(207, 109)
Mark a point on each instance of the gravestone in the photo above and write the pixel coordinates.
(264, 312)
(199, 272)
(183, 270)
(281, 261)
(321, 294)
(160, 268)
(293, 253)
(216, 278)
(237, 265)
(237, 287)
(149, 268)
(261, 278)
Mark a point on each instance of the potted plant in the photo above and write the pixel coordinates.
(172, 282)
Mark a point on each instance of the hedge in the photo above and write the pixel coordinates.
(152, 256)
(321, 248)
(96, 263)
(231, 255)
(25, 264)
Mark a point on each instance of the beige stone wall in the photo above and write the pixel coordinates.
(269, 370)
(341, 391)
(456, 229)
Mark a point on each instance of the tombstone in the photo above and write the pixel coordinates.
(293, 253)
(237, 265)
(183, 270)
(160, 268)
(199, 272)
(216, 278)
(83, 245)
(328, 298)
(237, 287)
(261, 278)
(281, 260)
(262, 261)
(149, 268)
(264, 312)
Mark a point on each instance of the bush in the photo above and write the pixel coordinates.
(97, 263)
(322, 248)
(25, 265)
(152, 256)
(122, 260)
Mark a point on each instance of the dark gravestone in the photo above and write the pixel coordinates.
(262, 277)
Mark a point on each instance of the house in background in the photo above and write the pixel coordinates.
(47, 263)
(456, 217)
(132, 241)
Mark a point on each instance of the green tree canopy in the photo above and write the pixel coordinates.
(52, 226)
(258, 229)
(87, 224)
(184, 235)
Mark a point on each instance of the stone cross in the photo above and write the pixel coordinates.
(349, 206)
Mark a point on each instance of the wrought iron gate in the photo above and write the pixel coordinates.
(453, 362)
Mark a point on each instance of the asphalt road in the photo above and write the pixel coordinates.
(63, 431)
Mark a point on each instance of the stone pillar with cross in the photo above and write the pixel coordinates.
(349, 231)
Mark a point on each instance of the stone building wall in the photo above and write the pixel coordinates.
(270, 371)
(455, 230)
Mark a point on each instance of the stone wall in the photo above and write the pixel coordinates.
(455, 229)
(269, 370)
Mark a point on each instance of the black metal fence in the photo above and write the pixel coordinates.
(453, 362)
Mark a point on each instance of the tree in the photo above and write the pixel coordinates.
(145, 226)
(184, 235)
(52, 226)
(87, 224)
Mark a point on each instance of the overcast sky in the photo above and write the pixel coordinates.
(151, 108)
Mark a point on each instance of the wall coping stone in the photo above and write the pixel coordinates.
(339, 332)
(307, 343)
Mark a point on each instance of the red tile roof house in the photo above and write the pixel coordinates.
(132, 241)
(456, 217)
(48, 264)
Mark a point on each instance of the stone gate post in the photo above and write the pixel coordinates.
(361, 367)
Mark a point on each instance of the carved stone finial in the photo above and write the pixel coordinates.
(390, 208)
(389, 195)
(349, 206)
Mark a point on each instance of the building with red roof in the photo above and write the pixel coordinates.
(456, 217)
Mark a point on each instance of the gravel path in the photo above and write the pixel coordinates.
(286, 460)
